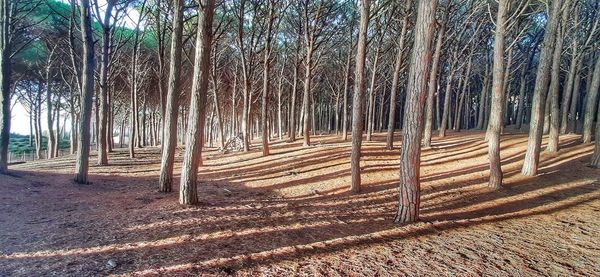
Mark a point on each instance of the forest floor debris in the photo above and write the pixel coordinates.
(255, 218)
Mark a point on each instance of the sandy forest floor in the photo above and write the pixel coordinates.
(291, 214)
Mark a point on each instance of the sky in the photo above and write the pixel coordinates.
(20, 117)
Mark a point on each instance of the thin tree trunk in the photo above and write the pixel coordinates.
(373, 87)
(432, 87)
(521, 99)
(346, 87)
(596, 156)
(590, 105)
(169, 140)
(103, 83)
(572, 118)
(446, 111)
(568, 89)
(357, 101)
(49, 111)
(554, 112)
(266, 79)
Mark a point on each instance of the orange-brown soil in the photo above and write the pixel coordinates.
(291, 214)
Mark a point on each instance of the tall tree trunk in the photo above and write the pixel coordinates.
(568, 89)
(532, 156)
(373, 87)
(483, 96)
(412, 132)
(195, 133)
(359, 90)
(498, 78)
(346, 88)
(572, 118)
(596, 156)
(169, 140)
(308, 67)
(279, 103)
(554, 123)
(49, 115)
(103, 97)
(5, 72)
(292, 127)
(381, 107)
(463, 91)
(521, 99)
(432, 87)
(266, 79)
(591, 103)
(87, 91)
(57, 134)
(446, 111)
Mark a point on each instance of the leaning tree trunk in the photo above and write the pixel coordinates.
(495, 123)
(169, 140)
(195, 133)
(532, 156)
(87, 91)
(359, 91)
(410, 157)
(590, 105)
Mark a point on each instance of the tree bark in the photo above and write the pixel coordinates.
(596, 156)
(495, 123)
(195, 134)
(346, 87)
(532, 156)
(87, 91)
(359, 90)
(373, 87)
(572, 117)
(554, 123)
(266, 78)
(410, 156)
(590, 105)
(446, 111)
(432, 87)
(49, 115)
(568, 91)
(169, 140)
(5, 72)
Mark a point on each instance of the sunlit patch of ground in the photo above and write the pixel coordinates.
(291, 213)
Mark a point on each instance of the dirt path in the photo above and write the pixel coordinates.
(290, 214)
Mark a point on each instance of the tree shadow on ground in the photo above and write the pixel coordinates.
(71, 228)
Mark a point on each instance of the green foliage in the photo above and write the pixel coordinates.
(19, 144)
